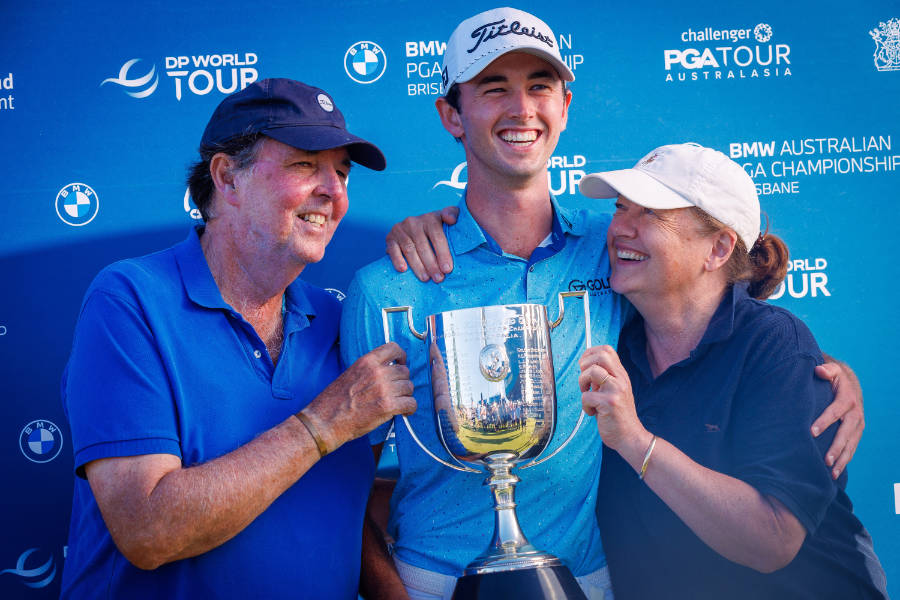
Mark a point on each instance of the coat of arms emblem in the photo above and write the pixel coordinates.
(887, 40)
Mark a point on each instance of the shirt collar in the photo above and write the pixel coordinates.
(467, 234)
(720, 327)
(201, 288)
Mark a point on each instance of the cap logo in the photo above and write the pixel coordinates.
(489, 31)
(649, 159)
(325, 102)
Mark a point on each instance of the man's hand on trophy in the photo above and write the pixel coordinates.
(372, 390)
(419, 243)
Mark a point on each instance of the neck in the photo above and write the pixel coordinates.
(251, 283)
(518, 217)
(674, 324)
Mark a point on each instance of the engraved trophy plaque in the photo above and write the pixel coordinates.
(494, 397)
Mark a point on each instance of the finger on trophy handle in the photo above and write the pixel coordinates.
(430, 453)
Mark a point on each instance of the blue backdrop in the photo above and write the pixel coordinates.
(102, 107)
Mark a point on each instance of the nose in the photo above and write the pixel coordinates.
(622, 224)
(330, 184)
(521, 105)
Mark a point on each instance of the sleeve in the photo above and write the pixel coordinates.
(361, 332)
(773, 447)
(116, 390)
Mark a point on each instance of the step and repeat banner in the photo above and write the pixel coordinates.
(102, 107)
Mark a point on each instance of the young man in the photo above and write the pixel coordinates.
(508, 104)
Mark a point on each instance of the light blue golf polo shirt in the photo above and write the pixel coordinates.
(442, 519)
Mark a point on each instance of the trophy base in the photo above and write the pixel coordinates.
(540, 583)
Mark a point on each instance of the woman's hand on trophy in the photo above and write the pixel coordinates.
(606, 394)
(420, 244)
(372, 390)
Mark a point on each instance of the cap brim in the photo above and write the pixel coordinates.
(325, 137)
(635, 185)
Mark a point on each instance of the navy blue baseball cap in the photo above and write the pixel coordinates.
(291, 112)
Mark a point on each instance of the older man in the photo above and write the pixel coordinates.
(215, 435)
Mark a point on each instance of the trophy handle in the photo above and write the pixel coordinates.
(387, 338)
(587, 343)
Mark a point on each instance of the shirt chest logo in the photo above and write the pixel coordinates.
(597, 286)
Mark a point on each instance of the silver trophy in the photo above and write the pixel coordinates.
(494, 398)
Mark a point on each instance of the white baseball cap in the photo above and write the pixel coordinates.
(681, 175)
(481, 39)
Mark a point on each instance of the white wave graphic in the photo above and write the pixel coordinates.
(124, 81)
(454, 181)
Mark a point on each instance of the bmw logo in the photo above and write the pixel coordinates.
(77, 204)
(40, 441)
(365, 62)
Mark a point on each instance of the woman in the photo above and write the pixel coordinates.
(711, 484)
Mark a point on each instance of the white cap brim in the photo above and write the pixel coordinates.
(636, 186)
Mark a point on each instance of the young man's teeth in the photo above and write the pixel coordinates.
(629, 255)
(314, 219)
(519, 136)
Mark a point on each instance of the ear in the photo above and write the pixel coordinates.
(723, 244)
(221, 170)
(450, 118)
(568, 100)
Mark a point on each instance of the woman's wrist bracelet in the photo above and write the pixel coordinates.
(647, 458)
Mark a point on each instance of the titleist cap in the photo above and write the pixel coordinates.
(487, 36)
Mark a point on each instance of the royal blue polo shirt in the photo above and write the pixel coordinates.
(161, 364)
(741, 404)
(442, 519)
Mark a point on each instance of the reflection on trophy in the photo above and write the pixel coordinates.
(494, 397)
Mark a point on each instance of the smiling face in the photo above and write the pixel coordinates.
(510, 118)
(289, 202)
(656, 253)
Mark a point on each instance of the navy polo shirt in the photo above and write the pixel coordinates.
(161, 364)
(742, 404)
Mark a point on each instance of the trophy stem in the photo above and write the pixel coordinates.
(509, 548)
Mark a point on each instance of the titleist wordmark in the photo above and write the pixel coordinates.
(488, 31)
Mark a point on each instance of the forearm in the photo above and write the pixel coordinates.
(378, 578)
(729, 515)
(192, 510)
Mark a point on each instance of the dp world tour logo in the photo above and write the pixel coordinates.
(35, 577)
(40, 442)
(143, 84)
(77, 204)
(887, 42)
(365, 62)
